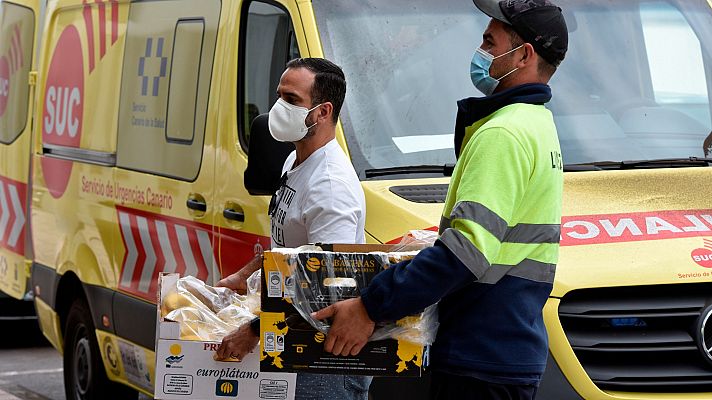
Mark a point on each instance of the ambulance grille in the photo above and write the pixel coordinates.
(422, 193)
(640, 339)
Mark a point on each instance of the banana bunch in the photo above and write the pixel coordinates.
(207, 313)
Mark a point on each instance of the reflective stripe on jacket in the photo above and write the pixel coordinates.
(503, 209)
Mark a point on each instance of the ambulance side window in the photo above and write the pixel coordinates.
(17, 26)
(267, 43)
(184, 83)
(168, 62)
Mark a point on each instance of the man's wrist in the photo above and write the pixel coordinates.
(368, 304)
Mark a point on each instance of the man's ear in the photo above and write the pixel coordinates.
(528, 57)
(325, 112)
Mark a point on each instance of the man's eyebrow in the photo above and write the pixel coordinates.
(290, 94)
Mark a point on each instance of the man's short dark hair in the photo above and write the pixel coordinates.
(329, 82)
(545, 68)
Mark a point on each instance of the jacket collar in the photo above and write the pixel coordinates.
(473, 109)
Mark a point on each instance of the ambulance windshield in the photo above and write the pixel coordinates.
(635, 84)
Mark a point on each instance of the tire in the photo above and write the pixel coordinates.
(84, 374)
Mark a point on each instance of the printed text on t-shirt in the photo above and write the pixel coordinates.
(285, 197)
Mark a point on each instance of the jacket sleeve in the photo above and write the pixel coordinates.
(408, 287)
(487, 186)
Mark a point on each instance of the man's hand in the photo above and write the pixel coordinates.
(238, 280)
(237, 344)
(350, 329)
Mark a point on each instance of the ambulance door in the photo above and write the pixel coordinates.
(270, 35)
(164, 183)
(18, 30)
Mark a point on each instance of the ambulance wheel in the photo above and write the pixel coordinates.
(84, 374)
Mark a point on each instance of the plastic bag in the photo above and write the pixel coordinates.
(322, 278)
(252, 301)
(209, 313)
(416, 240)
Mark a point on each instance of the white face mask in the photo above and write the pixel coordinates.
(287, 122)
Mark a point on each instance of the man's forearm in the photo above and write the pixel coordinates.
(252, 266)
(238, 280)
(408, 288)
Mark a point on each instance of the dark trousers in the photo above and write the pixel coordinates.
(447, 386)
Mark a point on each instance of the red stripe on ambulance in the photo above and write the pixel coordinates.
(12, 215)
(156, 243)
(632, 227)
(102, 28)
(89, 25)
(107, 36)
(114, 21)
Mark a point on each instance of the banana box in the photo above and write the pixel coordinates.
(296, 282)
(186, 368)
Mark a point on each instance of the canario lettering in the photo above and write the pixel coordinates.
(162, 200)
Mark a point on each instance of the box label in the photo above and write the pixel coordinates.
(269, 342)
(273, 389)
(289, 287)
(201, 377)
(274, 284)
(178, 384)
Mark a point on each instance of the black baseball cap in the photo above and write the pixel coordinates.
(538, 22)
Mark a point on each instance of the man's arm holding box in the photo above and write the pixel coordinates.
(403, 289)
(238, 280)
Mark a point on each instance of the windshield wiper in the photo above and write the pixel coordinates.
(633, 164)
(445, 170)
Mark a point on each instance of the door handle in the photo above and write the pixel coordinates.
(196, 205)
(234, 215)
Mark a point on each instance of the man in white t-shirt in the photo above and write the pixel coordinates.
(320, 199)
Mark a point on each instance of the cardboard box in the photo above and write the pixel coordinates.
(186, 369)
(290, 343)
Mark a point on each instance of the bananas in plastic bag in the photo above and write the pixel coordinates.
(207, 313)
(323, 278)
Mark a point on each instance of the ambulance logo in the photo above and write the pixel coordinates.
(62, 116)
(12, 215)
(63, 107)
(703, 255)
(4, 84)
(10, 63)
(160, 63)
(156, 243)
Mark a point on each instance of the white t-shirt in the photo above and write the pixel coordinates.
(321, 202)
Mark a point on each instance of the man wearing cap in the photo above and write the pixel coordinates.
(492, 269)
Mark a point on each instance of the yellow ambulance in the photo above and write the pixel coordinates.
(19, 21)
(142, 126)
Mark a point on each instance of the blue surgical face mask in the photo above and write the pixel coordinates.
(479, 70)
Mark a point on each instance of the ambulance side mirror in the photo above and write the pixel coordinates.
(265, 159)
